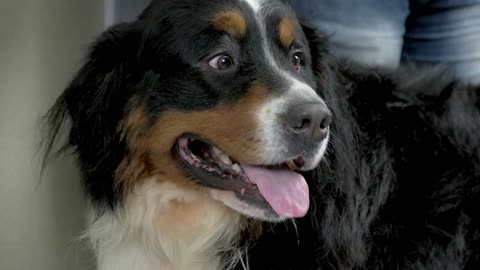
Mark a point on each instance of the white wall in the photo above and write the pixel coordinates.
(41, 44)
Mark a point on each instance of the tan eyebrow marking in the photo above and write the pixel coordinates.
(231, 22)
(286, 31)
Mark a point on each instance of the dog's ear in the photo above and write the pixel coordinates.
(93, 104)
(99, 82)
(317, 42)
(323, 63)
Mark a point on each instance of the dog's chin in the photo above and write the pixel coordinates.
(268, 192)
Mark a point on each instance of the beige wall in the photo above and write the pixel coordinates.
(41, 44)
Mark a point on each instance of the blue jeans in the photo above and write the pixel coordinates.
(382, 32)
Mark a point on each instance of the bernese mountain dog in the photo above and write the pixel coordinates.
(221, 134)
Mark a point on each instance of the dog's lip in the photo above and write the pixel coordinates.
(275, 189)
(214, 177)
(210, 158)
(225, 162)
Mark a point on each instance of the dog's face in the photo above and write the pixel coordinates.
(217, 98)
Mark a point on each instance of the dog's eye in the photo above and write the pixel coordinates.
(221, 62)
(298, 60)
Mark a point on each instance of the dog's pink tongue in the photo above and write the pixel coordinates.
(286, 191)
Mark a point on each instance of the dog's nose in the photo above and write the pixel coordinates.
(309, 121)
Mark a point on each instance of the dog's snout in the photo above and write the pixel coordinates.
(309, 121)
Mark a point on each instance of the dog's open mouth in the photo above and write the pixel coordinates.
(278, 188)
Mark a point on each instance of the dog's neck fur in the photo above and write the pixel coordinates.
(165, 228)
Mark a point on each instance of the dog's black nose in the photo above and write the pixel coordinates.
(309, 121)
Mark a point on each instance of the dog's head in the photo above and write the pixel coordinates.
(218, 98)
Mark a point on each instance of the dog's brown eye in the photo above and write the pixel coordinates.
(298, 60)
(221, 62)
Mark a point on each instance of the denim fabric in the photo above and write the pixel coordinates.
(382, 32)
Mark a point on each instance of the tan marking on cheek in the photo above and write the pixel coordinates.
(134, 125)
(231, 22)
(131, 169)
(231, 127)
(286, 31)
(135, 163)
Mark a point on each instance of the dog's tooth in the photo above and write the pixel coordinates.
(217, 151)
(224, 158)
(291, 164)
(236, 168)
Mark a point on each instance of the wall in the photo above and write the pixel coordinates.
(123, 10)
(41, 44)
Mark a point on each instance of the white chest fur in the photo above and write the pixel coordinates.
(163, 227)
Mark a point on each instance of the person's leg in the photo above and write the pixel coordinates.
(445, 31)
(368, 31)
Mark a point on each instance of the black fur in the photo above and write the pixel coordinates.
(400, 186)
